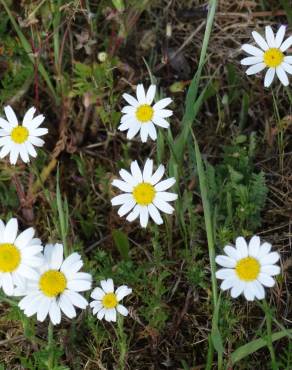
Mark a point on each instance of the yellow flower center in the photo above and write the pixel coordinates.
(52, 283)
(273, 57)
(9, 257)
(144, 113)
(19, 134)
(248, 269)
(109, 300)
(144, 193)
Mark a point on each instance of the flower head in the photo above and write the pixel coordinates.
(106, 300)
(141, 116)
(144, 193)
(19, 255)
(20, 139)
(270, 55)
(56, 286)
(247, 268)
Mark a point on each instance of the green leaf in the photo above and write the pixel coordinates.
(255, 345)
(215, 333)
(122, 243)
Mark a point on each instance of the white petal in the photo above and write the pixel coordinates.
(144, 132)
(225, 261)
(55, 313)
(271, 270)
(30, 149)
(35, 122)
(150, 94)
(23, 153)
(255, 69)
(141, 94)
(134, 214)
(97, 293)
(225, 274)
(280, 36)
(131, 100)
(264, 249)
(127, 177)
(136, 172)
(122, 291)
(101, 314)
(28, 116)
(164, 113)
(165, 195)
(251, 60)
(128, 109)
(5, 125)
(107, 285)
(5, 150)
(254, 246)
(237, 289)
(144, 216)
(258, 290)
(269, 77)
(24, 238)
(154, 214)
(260, 41)
(69, 261)
(152, 131)
(147, 171)
(79, 285)
(248, 292)
(121, 199)
(159, 121)
(288, 59)
(56, 256)
(126, 125)
(127, 207)
(241, 246)
(282, 76)
(36, 141)
(122, 185)
(232, 252)
(270, 258)
(11, 231)
(163, 206)
(287, 67)
(270, 37)
(39, 132)
(122, 310)
(133, 130)
(10, 115)
(43, 309)
(158, 174)
(266, 280)
(27, 272)
(7, 284)
(14, 153)
(252, 50)
(227, 284)
(165, 184)
(67, 307)
(286, 44)
(96, 306)
(111, 315)
(162, 103)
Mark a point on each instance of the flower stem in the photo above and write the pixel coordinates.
(50, 346)
(122, 342)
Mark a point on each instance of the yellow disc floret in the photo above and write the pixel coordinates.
(144, 193)
(110, 300)
(144, 113)
(52, 283)
(9, 257)
(273, 57)
(248, 269)
(19, 134)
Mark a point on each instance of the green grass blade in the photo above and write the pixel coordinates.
(255, 345)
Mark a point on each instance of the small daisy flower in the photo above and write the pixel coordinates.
(270, 55)
(247, 268)
(141, 116)
(144, 193)
(19, 255)
(106, 300)
(56, 286)
(19, 139)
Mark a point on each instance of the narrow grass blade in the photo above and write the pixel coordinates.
(255, 345)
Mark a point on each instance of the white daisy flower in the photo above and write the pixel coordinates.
(247, 268)
(106, 300)
(142, 116)
(19, 255)
(19, 139)
(56, 286)
(145, 193)
(270, 55)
